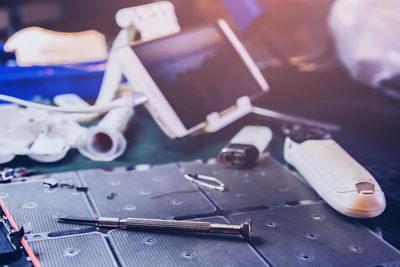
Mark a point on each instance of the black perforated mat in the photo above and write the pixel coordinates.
(267, 185)
(32, 202)
(144, 193)
(316, 235)
(79, 250)
(292, 226)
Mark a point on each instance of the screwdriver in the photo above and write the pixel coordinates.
(243, 229)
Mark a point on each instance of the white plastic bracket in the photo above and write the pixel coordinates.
(216, 121)
(152, 21)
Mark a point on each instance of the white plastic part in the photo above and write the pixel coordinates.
(119, 102)
(258, 136)
(5, 156)
(102, 144)
(216, 121)
(338, 178)
(117, 119)
(19, 128)
(43, 136)
(74, 101)
(366, 36)
(38, 46)
(48, 149)
(152, 21)
(105, 141)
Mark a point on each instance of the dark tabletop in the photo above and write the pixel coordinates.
(369, 121)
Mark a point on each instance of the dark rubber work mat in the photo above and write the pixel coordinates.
(167, 249)
(269, 184)
(80, 250)
(32, 202)
(316, 235)
(160, 192)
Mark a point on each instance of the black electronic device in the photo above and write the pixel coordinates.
(14, 250)
(199, 79)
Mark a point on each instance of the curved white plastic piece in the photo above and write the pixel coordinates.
(151, 20)
(216, 121)
(105, 141)
(258, 136)
(38, 46)
(49, 158)
(48, 149)
(6, 157)
(338, 178)
(102, 144)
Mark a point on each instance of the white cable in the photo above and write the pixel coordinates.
(120, 102)
(294, 119)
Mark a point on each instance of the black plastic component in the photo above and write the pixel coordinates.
(11, 249)
(239, 156)
(16, 237)
(301, 133)
(7, 249)
(83, 189)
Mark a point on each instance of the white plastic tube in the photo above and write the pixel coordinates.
(105, 141)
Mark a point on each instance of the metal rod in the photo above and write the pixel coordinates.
(77, 220)
(243, 229)
(295, 119)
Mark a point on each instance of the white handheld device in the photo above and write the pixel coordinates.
(338, 178)
(198, 79)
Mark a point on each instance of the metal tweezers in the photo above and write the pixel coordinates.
(197, 179)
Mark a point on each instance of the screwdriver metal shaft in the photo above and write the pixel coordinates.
(243, 229)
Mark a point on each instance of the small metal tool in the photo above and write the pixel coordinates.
(200, 180)
(243, 229)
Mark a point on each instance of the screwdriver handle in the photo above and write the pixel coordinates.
(136, 223)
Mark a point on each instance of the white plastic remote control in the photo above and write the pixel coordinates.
(338, 178)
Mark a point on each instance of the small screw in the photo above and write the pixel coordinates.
(112, 195)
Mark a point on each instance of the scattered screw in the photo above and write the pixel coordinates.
(67, 185)
(52, 183)
(83, 189)
(111, 195)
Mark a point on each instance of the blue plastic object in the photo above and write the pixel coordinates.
(244, 12)
(46, 82)
(5, 56)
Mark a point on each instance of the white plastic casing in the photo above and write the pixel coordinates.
(153, 21)
(258, 136)
(339, 179)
